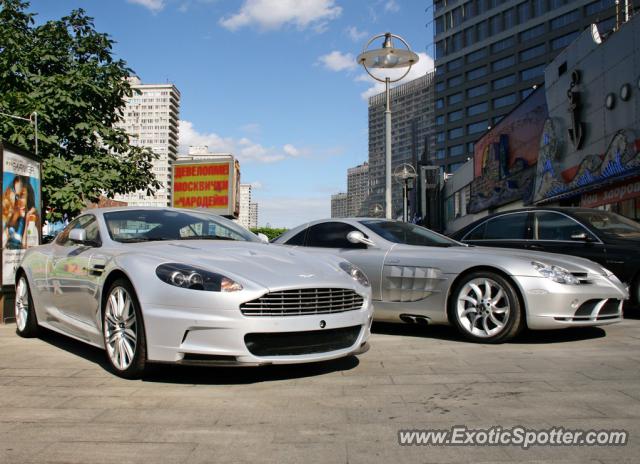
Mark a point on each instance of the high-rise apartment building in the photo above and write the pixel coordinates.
(339, 205)
(151, 120)
(489, 56)
(358, 189)
(411, 137)
(248, 216)
(253, 215)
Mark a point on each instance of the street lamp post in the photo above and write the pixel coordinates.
(387, 57)
(405, 174)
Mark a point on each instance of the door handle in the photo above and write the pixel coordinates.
(535, 247)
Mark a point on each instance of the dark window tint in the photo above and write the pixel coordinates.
(507, 227)
(297, 239)
(477, 233)
(555, 226)
(331, 235)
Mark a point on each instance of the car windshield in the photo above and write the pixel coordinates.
(407, 233)
(146, 225)
(611, 223)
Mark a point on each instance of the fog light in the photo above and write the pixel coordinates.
(574, 304)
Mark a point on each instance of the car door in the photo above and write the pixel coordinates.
(555, 232)
(331, 237)
(73, 276)
(509, 230)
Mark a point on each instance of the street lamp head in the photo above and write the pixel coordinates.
(387, 57)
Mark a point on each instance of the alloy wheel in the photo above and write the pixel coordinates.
(22, 304)
(120, 328)
(483, 307)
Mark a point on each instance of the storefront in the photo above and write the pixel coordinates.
(623, 198)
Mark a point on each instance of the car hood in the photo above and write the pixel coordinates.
(513, 261)
(269, 266)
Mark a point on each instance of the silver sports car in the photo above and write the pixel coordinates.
(168, 285)
(489, 294)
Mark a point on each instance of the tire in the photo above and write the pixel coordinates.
(123, 330)
(485, 308)
(25, 312)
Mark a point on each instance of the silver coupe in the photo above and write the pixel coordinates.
(181, 286)
(488, 294)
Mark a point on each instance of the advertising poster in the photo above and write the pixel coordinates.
(207, 185)
(21, 208)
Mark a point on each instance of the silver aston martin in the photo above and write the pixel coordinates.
(180, 286)
(488, 294)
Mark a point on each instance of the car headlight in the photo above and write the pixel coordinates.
(185, 276)
(555, 273)
(355, 273)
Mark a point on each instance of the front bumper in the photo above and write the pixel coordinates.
(551, 305)
(222, 337)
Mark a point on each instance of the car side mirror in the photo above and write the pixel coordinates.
(263, 238)
(355, 236)
(581, 237)
(78, 235)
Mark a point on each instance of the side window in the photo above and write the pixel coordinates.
(87, 222)
(331, 235)
(555, 226)
(477, 233)
(297, 239)
(507, 227)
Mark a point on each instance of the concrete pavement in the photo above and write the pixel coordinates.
(59, 404)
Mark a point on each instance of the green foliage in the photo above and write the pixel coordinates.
(269, 232)
(64, 70)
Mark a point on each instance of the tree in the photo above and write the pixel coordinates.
(65, 71)
(269, 232)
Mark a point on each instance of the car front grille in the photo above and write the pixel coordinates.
(301, 343)
(596, 310)
(303, 301)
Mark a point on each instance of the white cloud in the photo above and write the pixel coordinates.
(292, 211)
(423, 66)
(257, 185)
(355, 34)
(273, 14)
(391, 6)
(338, 61)
(153, 5)
(244, 149)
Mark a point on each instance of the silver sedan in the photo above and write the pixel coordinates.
(168, 285)
(488, 294)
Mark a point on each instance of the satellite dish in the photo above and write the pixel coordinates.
(376, 210)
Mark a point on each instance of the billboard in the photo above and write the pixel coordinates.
(208, 184)
(21, 208)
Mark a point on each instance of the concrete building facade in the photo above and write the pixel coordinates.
(489, 55)
(151, 119)
(411, 138)
(339, 205)
(358, 189)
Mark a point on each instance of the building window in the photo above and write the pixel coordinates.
(477, 127)
(504, 82)
(440, 103)
(565, 19)
(505, 100)
(440, 137)
(456, 44)
(455, 133)
(455, 116)
(477, 55)
(502, 44)
(607, 25)
(455, 98)
(482, 30)
(456, 150)
(532, 33)
(454, 81)
(440, 153)
(564, 40)
(510, 18)
(454, 64)
(440, 49)
(531, 73)
(453, 167)
(477, 91)
(526, 92)
(539, 7)
(477, 109)
(440, 25)
(495, 23)
(469, 36)
(440, 86)
(439, 120)
(532, 52)
(524, 12)
(504, 63)
(476, 73)
(596, 7)
(470, 148)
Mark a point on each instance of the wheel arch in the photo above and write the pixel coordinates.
(496, 270)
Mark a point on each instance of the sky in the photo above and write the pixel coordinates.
(274, 82)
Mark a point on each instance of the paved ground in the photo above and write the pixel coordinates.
(59, 404)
